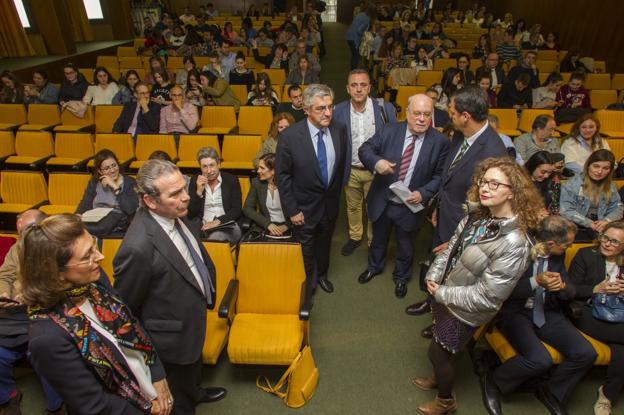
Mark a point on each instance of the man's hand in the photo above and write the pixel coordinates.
(144, 103)
(440, 248)
(202, 181)
(163, 403)
(414, 198)
(9, 304)
(432, 287)
(551, 281)
(298, 219)
(384, 167)
(434, 218)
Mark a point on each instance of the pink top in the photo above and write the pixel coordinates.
(173, 120)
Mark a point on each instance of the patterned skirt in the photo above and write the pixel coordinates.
(449, 332)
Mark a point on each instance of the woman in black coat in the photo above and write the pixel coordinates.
(74, 85)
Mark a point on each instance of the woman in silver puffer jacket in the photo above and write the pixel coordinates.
(471, 279)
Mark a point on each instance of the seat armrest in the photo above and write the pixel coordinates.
(305, 304)
(226, 308)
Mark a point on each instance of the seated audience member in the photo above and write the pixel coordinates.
(215, 199)
(161, 90)
(229, 33)
(263, 40)
(440, 117)
(277, 59)
(437, 50)
(103, 90)
(156, 65)
(550, 43)
(14, 328)
(507, 50)
(396, 59)
(385, 49)
(494, 69)
(177, 37)
(507, 141)
(214, 66)
(584, 139)
(12, 91)
(109, 188)
(422, 61)
(463, 64)
(117, 370)
(262, 92)
(194, 93)
(572, 99)
(141, 116)
(263, 204)
(295, 106)
(598, 269)
(535, 313)
(411, 47)
(591, 200)
(42, 90)
(300, 50)
(571, 62)
(227, 59)
(546, 95)
(539, 139)
(483, 47)
(281, 121)
(542, 166)
(182, 74)
(240, 75)
(484, 80)
(126, 88)
(527, 66)
(302, 74)
(516, 94)
(73, 86)
(160, 155)
(179, 117)
(217, 91)
(451, 82)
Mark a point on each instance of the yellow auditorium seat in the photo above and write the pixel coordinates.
(617, 148)
(547, 66)
(508, 121)
(120, 144)
(42, 117)
(69, 122)
(126, 51)
(190, 144)
(239, 151)
(428, 78)
(547, 55)
(65, 191)
(72, 150)
(87, 73)
(571, 252)
(146, 144)
(245, 185)
(527, 116)
(130, 62)
(442, 64)
(240, 92)
(217, 329)
(105, 117)
(255, 120)
(109, 249)
(7, 144)
(269, 319)
(107, 61)
(602, 98)
(12, 116)
(216, 119)
(175, 62)
(277, 76)
(32, 147)
(598, 81)
(611, 122)
(403, 94)
(21, 191)
(617, 82)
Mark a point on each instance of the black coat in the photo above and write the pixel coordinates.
(230, 195)
(75, 91)
(587, 269)
(127, 198)
(147, 123)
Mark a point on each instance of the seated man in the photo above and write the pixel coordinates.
(300, 51)
(527, 66)
(507, 141)
(516, 94)
(141, 116)
(440, 117)
(532, 314)
(437, 49)
(179, 117)
(295, 106)
(494, 69)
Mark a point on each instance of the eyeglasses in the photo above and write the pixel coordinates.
(491, 184)
(324, 108)
(93, 253)
(112, 167)
(426, 115)
(604, 239)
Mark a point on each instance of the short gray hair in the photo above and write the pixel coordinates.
(314, 91)
(208, 152)
(149, 172)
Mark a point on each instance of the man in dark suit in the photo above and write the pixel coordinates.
(141, 116)
(532, 314)
(312, 162)
(491, 67)
(164, 274)
(412, 153)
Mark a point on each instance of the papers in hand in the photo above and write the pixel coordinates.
(403, 192)
(95, 215)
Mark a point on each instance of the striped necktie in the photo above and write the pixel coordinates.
(406, 160)
(462, 150)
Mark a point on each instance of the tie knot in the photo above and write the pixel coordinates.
(320, 134)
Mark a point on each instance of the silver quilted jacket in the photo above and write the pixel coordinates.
(484, 275)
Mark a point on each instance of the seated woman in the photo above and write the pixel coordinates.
(73, 86)
(156, 64)
(215, 199)
(573, 100)
(591, 199)
(280, 122)
(483, 48)
(240, 75)
(126, 88)
(109, 189)
(42, 90)
(103, 90)
(583, 140)
(262, 93)
(463, 64)
(217, 91)
(180, 117)
(161, 91)
(546, 95)
(302, 74)
(476, 273)
(117, 370)
(182, 74)
(12, 89)
(571, 62)
(484, 80)
(422, 62)
(451, 82)
(541, 167)
(263, 204)
(278, 59)
(194, 93)
(598, 269)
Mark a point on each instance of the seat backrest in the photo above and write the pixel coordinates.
(107, 61)
(571, 252)
(34, 143)
(67, 188)
(610, 120)
(12, 114)
(240, 91)
(547, 66)
(191, 143)
(120, 144)
(221, 257)
(146, 144)
(601, 98)
(47, 114)
(240, 147)
(255, 120)
(617, 82)
(527, 116)
(277, 76)
(218, 116)
(67, 118)
(105, 117)
(442, 64)
(109, 249)
(126, 51)
(130, 62)
(507, 118)
(403, 95)
(617, 148)
(7, 143)
(74, 145)
(547, 55)
(270, 277)
(245, 185)
(22, 187)
(598, 81)
(428, 78)
(175, 62)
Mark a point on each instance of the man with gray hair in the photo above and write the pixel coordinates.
(300, 50)
(164, 274)
(312, 163)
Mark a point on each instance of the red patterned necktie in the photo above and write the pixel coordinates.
(406, 160)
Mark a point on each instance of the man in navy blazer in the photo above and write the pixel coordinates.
(139, 117)
(311, 163)
(413, 153)
(363, 117)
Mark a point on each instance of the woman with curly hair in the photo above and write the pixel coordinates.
(475, 274)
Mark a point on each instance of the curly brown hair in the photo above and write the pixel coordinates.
(526, 203)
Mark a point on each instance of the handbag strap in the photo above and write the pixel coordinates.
(277, 388)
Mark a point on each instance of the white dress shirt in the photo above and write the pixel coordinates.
(329, 147)
(362, 128)
(213, 201)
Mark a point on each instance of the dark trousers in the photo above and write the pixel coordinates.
(355, 54)
(393, 217)
(184, 382)
(533, 359)
(315, 240)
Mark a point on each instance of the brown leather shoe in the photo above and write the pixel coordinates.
(425, 384)
(438, 407)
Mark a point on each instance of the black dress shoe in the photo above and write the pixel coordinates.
(427, 332)
(212, 394)
(366, 276)
(549, 400)
(326, 285)
(418, 309)
(400, 289)
(490, 394)
(350, 246)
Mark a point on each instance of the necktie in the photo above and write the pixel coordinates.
(539, 319)
(462, 150)
(322, 158)
(199, 263)
(406, 160)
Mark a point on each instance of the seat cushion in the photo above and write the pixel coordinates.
(137, 164)
(189, 164)
(14, 207)
(57, 209)
(612, 133)
(217, 330)
(7, 126)
(265, 339)
(36, 127)
(511, 133)
(63, 161)
(22, 160)
(70, 128)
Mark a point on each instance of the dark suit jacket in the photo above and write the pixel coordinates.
(500, 73)
(156, 283)
(586, 270)
(148, 123)
(387, 144)
(440, 118)
(299, 175)
(230, 196)
(256, 199)
(455, 185)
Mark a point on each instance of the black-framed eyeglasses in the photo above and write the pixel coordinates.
(491, 184)
(604, 239)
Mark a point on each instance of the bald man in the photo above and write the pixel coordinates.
(413, 153)
(179, 117)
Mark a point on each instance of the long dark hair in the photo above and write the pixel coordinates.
(537, 159)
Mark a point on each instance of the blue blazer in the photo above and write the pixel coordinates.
(388, 144)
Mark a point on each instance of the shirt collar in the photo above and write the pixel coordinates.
(408, 134)
(313, 130)
(367, 107)
(476, 135)
(166, 223)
